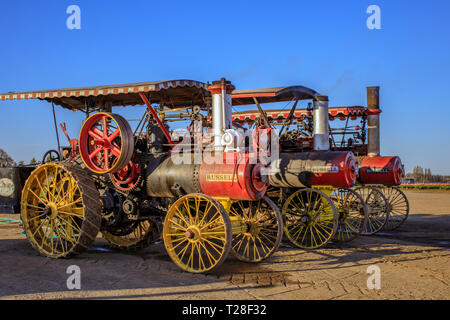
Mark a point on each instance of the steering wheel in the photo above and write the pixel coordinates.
(51, 156)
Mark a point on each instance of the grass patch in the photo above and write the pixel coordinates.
(425, 186)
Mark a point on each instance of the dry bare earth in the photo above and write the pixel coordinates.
(413, 261)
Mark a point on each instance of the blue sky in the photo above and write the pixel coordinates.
(324, 45)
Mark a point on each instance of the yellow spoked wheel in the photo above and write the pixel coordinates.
(310, 218)
(399, 205)
(352, 214)
(60, 210)
(377, 209)
(140, 236)
(197, 233)
(261, 229)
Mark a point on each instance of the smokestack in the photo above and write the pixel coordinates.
(373, 121)
(221, 109)
(320, 118)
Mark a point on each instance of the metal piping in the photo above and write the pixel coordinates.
(373, 121)
(221, 109)
(321, 127)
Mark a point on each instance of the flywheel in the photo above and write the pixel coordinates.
(106, 142)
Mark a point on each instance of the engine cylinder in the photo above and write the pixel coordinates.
(387, 171)
(337, 169)
(164, 178)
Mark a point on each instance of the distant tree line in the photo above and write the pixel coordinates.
(421, 175)
(7, 161)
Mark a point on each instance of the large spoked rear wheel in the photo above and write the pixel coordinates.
(261, 232)
(378, 209)
(140, 236)
(352, 212)
(310, 218)
(60, 210)
(399, 206)
(197, 233)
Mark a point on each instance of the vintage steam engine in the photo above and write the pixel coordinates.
(134, 186)
(311, 183)
(385, 207)
(383, 173)
(210, 189)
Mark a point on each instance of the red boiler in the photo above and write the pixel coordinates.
(235, 178)
(387, 171)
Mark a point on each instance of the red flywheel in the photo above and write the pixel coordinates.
(106, 142)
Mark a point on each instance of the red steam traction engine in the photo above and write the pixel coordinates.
(386, 206)
(309, 181)
(133, 185)
(376, 172)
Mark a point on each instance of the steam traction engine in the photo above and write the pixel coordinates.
(387, 206)
(384, 173)
(132, 185)
(311, 183)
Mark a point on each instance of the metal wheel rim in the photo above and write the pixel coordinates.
(320, 211)
(264, 230)
(399, 206)
(140, 236)
(377, 209)
(352, 214)
(197, 233)
(57, 218)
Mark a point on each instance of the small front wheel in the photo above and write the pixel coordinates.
(311, 218)
(399, 205)
(197, 233)
(261, 232)
(352, 212)
(378, 209)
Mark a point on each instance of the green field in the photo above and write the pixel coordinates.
(425, 186)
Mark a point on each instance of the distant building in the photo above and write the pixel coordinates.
(408, 181)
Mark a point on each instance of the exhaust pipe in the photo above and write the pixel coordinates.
(373, 121)
(221, 109)
(320, 122)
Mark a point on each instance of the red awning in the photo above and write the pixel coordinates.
(334, 112)
(172, 93)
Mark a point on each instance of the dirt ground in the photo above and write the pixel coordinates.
(413, 261)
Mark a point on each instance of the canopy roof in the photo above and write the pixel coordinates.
(171, 93)
(266, 95)
(282, 114)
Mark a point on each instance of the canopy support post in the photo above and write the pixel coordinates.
(155, 116)
(289, 118)
(261, 111)
(56, 129)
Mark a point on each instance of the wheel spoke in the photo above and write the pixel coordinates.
(95, 152)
